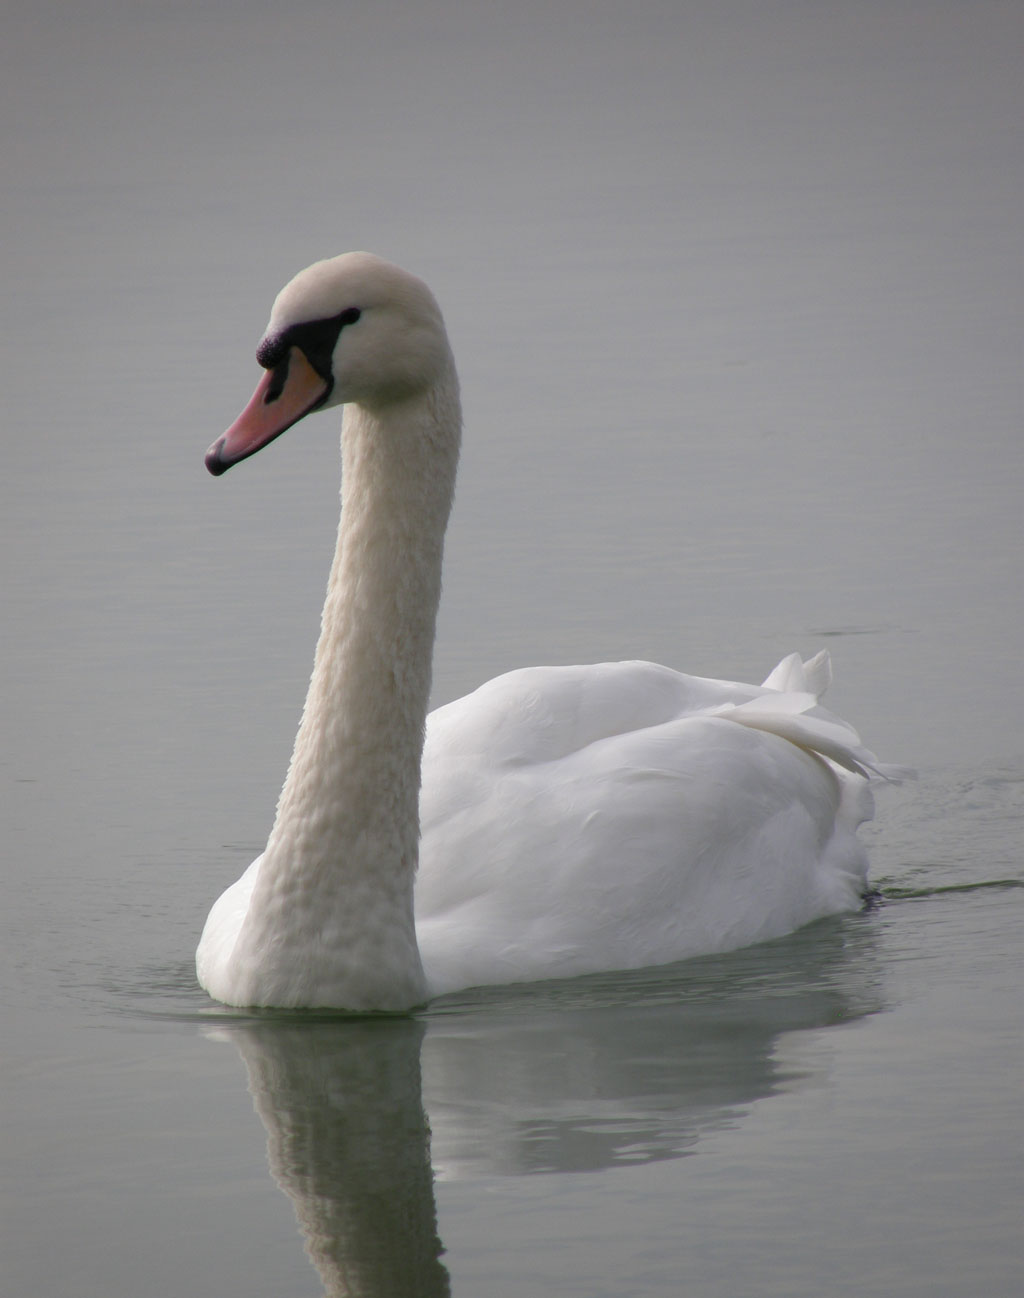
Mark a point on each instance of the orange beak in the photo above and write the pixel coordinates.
(272, 409)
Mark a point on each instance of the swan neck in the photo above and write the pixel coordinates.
(338, 872)
(368, 696)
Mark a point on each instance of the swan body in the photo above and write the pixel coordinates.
(571, 819)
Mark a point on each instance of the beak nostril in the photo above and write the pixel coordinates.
(278, 379)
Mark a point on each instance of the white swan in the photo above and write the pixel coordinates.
(574, 819)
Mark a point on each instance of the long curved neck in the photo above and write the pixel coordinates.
(335, 894)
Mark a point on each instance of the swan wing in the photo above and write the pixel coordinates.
(626, 815)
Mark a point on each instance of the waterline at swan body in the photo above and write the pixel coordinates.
(574, 819)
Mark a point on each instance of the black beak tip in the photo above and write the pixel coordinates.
(214, 463)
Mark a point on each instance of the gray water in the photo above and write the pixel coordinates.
(735, 291)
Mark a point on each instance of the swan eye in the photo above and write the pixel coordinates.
(350, 316)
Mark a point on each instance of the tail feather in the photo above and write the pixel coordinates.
(789, 708)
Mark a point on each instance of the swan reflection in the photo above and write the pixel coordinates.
(569, 1077)
(347, 1141)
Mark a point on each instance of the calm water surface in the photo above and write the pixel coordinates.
(735, 294)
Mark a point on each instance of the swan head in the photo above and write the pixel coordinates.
(353, 328)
